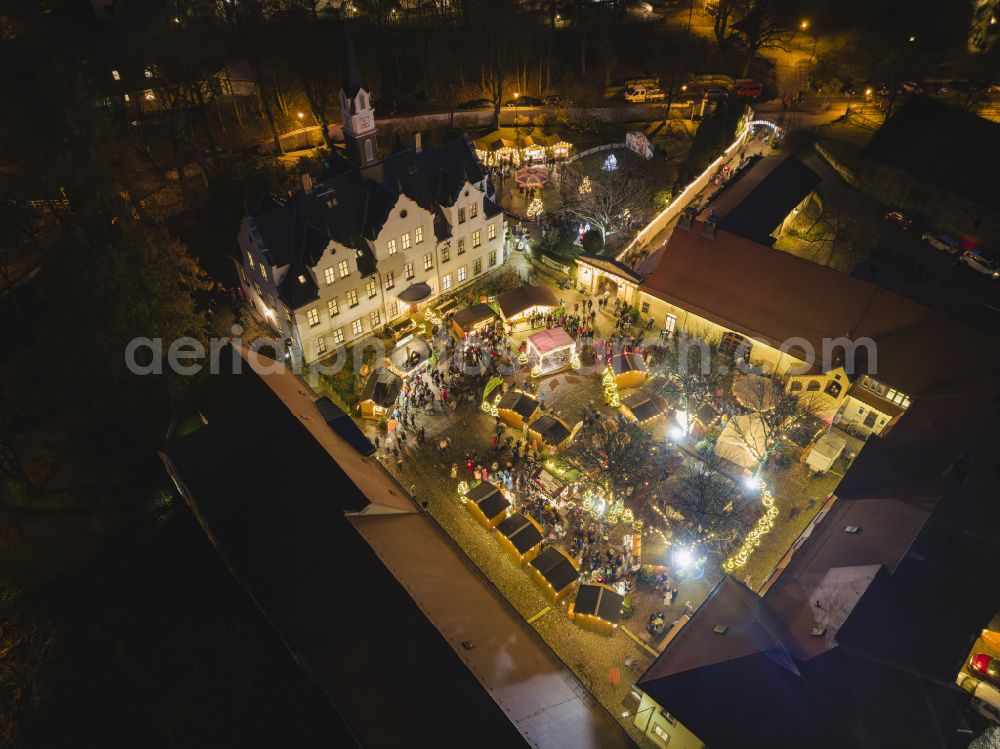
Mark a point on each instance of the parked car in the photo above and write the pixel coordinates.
(941, 242)
(640, 94)
(714, 92)
(911, 87)
(523, 101)
(751, 89)
(977, 262)
(476, 104)
(558, 100)
(900, 218)
(985, 667)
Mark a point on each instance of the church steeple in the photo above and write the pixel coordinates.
(356, 109)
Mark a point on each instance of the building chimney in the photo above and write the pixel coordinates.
(416, 143)
(709, 231)
(307, 182)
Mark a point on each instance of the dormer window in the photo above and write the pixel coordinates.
(302, 279)
(116, 75)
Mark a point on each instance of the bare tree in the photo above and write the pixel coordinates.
(608, 201)
(708, 501)
(691, 374)
(761, 28)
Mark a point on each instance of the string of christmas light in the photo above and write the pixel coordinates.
(611, 394)
(764, 526)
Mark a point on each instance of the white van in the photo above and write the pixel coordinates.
(640, 94)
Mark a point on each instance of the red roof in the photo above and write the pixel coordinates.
(547, 341)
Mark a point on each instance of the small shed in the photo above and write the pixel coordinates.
(550, 430)
(629, 369)
(516, 409)
(520, 536)
(473, 319)
(550, 350)
(378, 396)
(487, 504)
(597, 608)
(436, 314)
(520, 303)
(554, 572)
(643, 406)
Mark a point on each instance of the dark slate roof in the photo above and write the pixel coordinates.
(469, 317)
(644, 405)
(298, 287)
(489, 498)
(349, 204)
(353, 81)
(556, 568)
(344, 425)
(758, 201)
(382, 386)
(520, 531)
(621, 363)
(550, 429)
(598, 600)
(516, 301)
(520, 403)
(610, 265)
(491, 209)
(942, 146)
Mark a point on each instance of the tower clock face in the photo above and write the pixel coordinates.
(365, 121)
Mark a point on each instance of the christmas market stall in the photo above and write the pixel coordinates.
(378, 396)
(516, 409)
(551, 431)
(436, 314)
(473, 319)
(498, 147)
(554, 572)
(521, 537)
(518, 305)
(551, 350)
(629, 369)
(597, 608)
(643, 406)
(487, 504)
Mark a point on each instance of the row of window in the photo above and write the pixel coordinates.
(890, 394)
(357, 328)
(418, 237)
(473, 212)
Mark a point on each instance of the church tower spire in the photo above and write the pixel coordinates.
(356, 109)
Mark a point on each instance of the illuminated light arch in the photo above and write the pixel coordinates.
(766, 123)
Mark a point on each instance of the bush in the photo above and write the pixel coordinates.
(593, 242)
(646, 575)
(628, 608)
(704, 446)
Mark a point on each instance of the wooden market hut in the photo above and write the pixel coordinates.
(550, 430)
(519, 304)
(473, 319)
(643, 406)
(597, 608)
(520, 536)
(487, 504)
(551, 350)
(554, 572)
(516, 409)
(629, 369)
(379, 393)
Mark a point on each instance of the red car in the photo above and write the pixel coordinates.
(986, 667)
(900, 218)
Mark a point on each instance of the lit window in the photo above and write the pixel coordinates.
(446, 254)
(343, 268)
(376, 318)
(352, 298)
(477, 267)
(461, 246)
(670, 323)
(461, 274)
(428, 261)
(338, 336)
(250, 260)
(302, 279)
(477, 238)
(148, 73)
(320, 346)
(392, 246)
(406, 241)
(389, 281)
(357, 328)
(645, 308)
(408, 271)
(446, 282)
(288, 314)
(461, 215)
(329, 275)
(258, 289)
(493, 258)
(116, 75)
(270, 300)
(263, 271)
(418, 235)
(491, 232)
(393, 308)
(473, 210)
(332, 307)
(313, 317)
(372, 288)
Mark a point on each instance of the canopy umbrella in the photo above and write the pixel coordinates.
(532, 176)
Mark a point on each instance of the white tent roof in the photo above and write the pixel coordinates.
(732, 443)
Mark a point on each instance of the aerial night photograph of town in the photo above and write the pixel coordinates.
(484, 374)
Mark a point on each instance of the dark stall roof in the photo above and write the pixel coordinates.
(488, 497)
(382, 387)
(516, 301)
(550, 429)
(520, 531)
(520, 403)
(470, 317)
(555, 568)
(599, 600)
